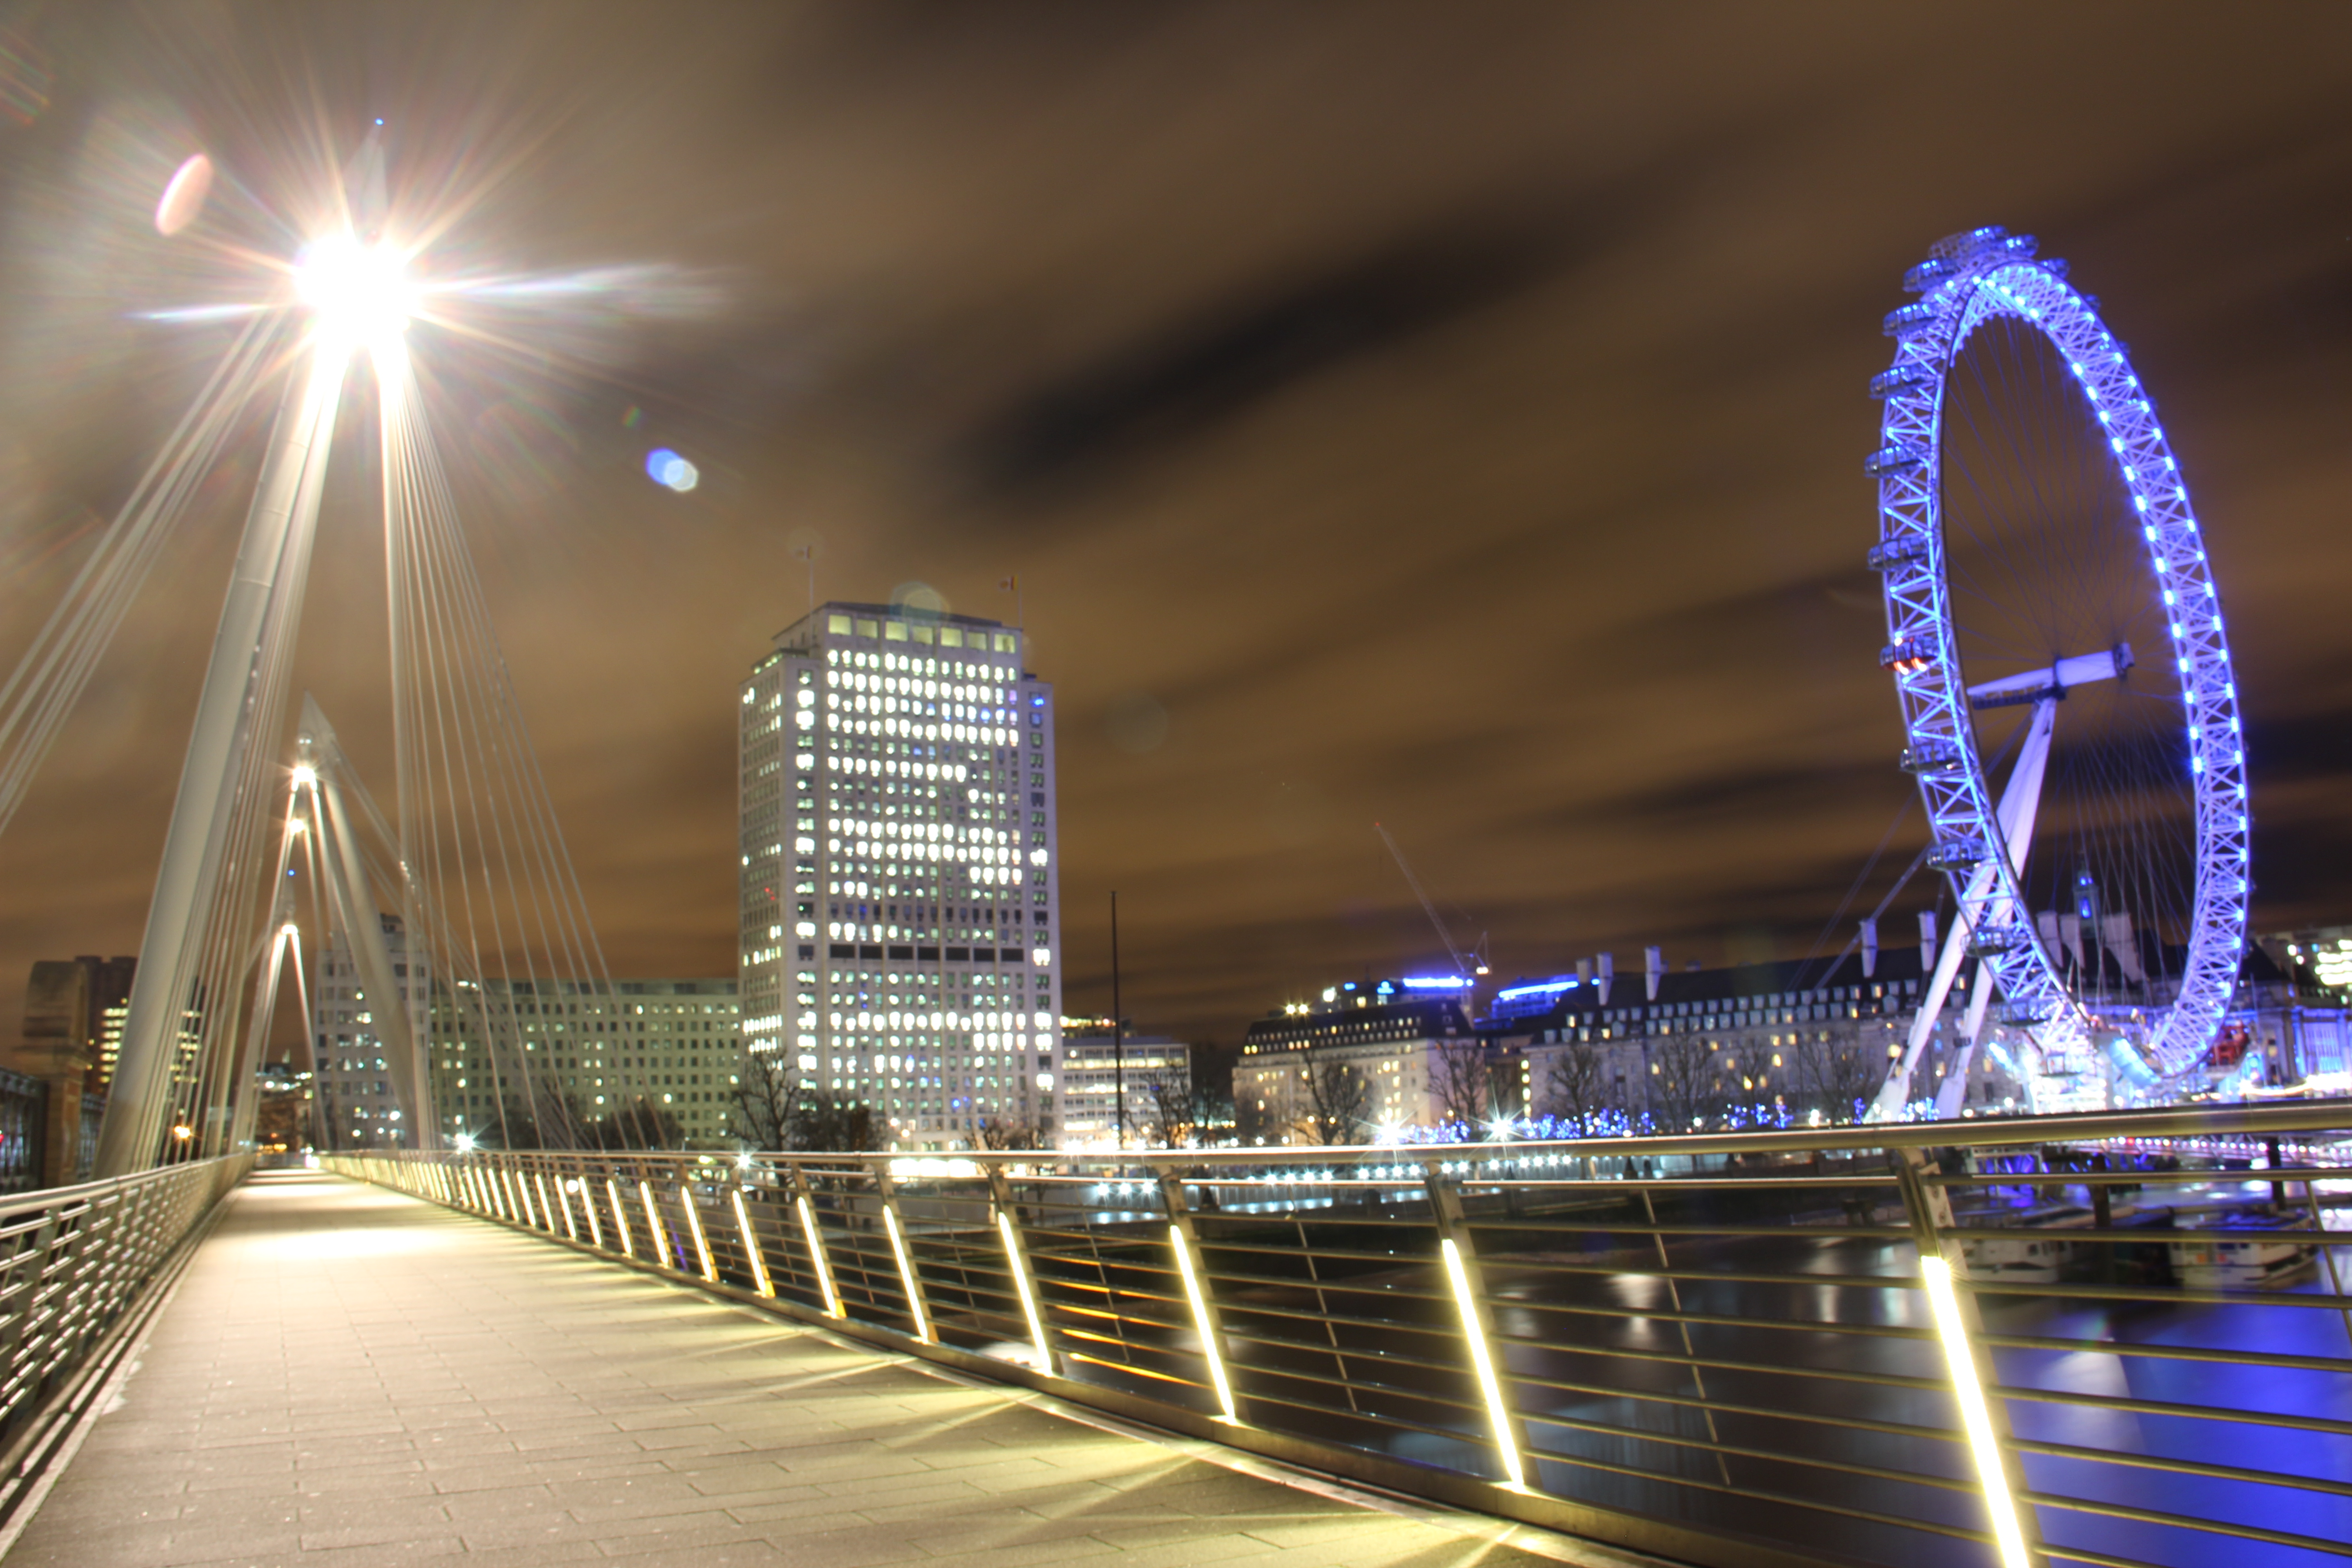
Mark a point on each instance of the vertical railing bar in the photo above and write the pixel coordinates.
(1682, 1324)
(1984, 1419)
(620, 1218)
(917, 1307)
(751, 1236)
(1192, 1267)
(1460, 1263)
(694, 1225)
(1008, 1230)
(814, 1234)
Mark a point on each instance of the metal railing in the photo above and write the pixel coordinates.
(73, 1261)
(2116, 1341)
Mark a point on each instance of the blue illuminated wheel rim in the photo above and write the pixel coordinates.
(2030, 509)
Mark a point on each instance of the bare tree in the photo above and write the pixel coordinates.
(1575, 1084)
(765, 1092)
(1685, 1080)
(997, 1133)
(1460, 1084)
(779, 1111)
(1831, 1076)
(1338, 1094)
(1166, 1109)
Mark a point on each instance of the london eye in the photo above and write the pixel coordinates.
(2055, 640)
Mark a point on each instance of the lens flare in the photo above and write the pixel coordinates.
(359, 294)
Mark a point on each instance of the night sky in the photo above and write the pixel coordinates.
(1446, 416)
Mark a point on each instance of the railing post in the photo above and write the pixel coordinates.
(1186, 1243)
(893, 1222)
(654, 1229)
(1024, 1278)
(694, 1224)
(547, 1209)
(1463, 1278)
(620, 1218)
(806, 1203)
(1983, 1421)
(563, 1198)
(587, 1191)
(751, 1236)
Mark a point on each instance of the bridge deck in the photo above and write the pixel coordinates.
(348, 1376)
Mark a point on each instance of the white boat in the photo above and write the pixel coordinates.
(2239, 1251)
(2022, 1245)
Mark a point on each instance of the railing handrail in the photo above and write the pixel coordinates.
(57, 1197)
(2236, 1121)
(1585, 1333)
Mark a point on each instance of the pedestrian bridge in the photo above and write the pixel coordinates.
(2107, 1340)
(348, 1375)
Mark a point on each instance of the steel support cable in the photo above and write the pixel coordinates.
(211, 1077)
(427, 517)
(434, 631)
(257, 792)
(419, 852)
(260, 712)
(399, 527)
(48, 680)
(576, 951)
(401, 534)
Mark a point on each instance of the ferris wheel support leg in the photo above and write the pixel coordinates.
(1895, 1092)
(2020, 803)
(1954, 1089)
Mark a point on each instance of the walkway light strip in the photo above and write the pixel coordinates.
(1020, 1268)
(694, 1224)
(1192, 1293)
(816, 1256)
(1497, 1416)
(546, 1208)
(563, 1198)
(588, 1207)
(1976, 1418)
(906, 1274)
(653, 1223)
(751, 1245)
(620, 1218)
(522, 1196)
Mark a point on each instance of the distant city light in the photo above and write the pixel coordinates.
(1540, 988)
(1436, 982)
(668, 468)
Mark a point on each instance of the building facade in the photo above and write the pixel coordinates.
(900, 917)
(650, 1064)
(357, 1106)
(526, 1063)
(1153, 1074)
(1374, 1056)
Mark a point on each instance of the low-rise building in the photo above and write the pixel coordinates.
(1151, 1074)
(1367, 1058)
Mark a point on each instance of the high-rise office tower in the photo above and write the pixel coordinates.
(901, 911)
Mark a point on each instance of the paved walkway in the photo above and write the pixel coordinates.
(348, 1376)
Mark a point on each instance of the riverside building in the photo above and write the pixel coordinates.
(651, 1062)
(900, 934)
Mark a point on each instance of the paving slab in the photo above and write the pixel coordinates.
(350, 1376)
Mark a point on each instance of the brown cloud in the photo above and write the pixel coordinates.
(1445, 416)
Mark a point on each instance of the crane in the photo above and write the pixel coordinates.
(1476, 962)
